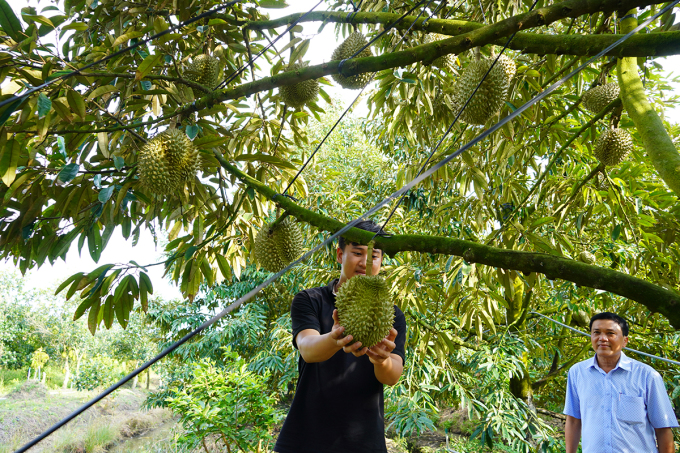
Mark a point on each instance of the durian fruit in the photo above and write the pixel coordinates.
(599, 97)
(612, 146)
(365, 306)
(349, 47)
(166, 162)
(204, 69)
(446, 61)
(580, 318)
(278, 244)
(300, 94)
(491, 95)
(587, 257)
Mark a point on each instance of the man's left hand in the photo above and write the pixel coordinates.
(380, 352)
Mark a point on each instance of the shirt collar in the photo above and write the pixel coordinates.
(331, 286)
(624, 363)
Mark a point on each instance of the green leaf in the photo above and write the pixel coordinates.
(68, 172)
(10, 23)
(192, 131)
(147, 65)
(105, 194)
(122, 314)
(122, 39)
(108, 312)
(44, 105)
(77, 103)
(8, 161)
(210, 141)
(67, 281)
(616, 232)
(541, 221)
(99, 91)
(118, 162)
(82, 308)
(77, 26)
(273, 4)
(94, 243)
(92, 317)
(144, 278)
(190, 252)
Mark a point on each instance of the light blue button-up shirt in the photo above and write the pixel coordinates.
(620, 409)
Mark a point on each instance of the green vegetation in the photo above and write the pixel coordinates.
(527, 221)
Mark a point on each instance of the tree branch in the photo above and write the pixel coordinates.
(652, 44)
(656, 298)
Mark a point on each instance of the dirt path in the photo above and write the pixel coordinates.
(31, 409)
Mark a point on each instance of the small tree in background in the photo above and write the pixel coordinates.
(229, 406)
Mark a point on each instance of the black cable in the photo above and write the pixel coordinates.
(460, 112)
(120, 52)
(346, 228)
(260, 53)
(290, 183)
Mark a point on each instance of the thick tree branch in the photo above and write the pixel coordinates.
(653, 44)
(479, 36)
(659, 146)
(656, 298)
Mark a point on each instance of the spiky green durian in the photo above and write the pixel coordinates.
(612, 146)
(446, 61)
(349, 47)
(491, 95)
(300, 94)
(365, 306)
(164, 162)
(599, 97)
(204, 69)
(278, 244)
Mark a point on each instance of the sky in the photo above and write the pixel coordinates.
(120, 250)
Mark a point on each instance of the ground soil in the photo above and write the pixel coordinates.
(30, 409)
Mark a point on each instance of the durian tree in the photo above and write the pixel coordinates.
(185, 138)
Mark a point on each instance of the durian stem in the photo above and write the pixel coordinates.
(658, 144)
(369, 258)
(280, 219)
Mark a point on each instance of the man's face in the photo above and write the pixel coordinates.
(353, 260)
(607, 338)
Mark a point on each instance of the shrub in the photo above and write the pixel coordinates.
(98, 372)
(231, 405)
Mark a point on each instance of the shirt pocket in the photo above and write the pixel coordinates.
(631, 409)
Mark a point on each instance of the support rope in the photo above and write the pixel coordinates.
(341, 231)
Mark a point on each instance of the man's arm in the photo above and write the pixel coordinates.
(664, 439)
(315, 347)
(572, 433)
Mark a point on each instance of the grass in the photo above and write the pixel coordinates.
(99, 436)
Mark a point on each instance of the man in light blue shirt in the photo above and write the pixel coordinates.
(615, 404)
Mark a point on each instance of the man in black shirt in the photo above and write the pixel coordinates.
(338, 405)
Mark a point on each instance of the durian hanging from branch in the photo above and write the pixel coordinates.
(347, 49)
(167, 161)
(365, 307)
(612, 146)
(491, 95)
(204, 69)
(278, 244)
(601, 96)
(300, 94)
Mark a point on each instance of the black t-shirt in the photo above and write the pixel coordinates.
(338, 405)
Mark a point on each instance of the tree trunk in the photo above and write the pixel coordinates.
(28, 378)
(67, 375)
(148, 377)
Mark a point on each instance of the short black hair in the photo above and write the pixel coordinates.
(367, 225)
(612, 316)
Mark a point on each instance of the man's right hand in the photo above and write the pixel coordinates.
(337, 335)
